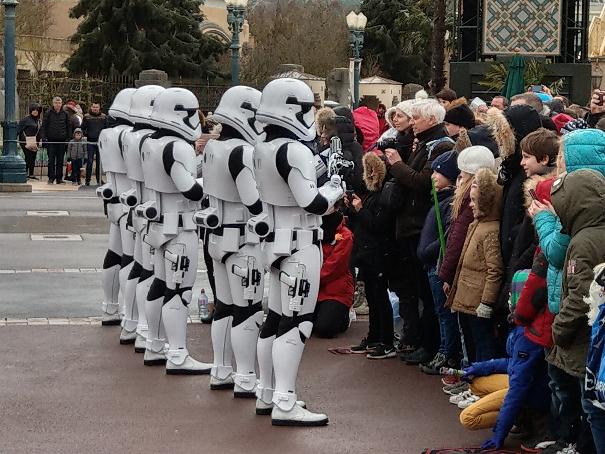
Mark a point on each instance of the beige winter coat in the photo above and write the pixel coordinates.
(479, 272)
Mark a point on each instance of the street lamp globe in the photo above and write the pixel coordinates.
(352, 20)
(362, 21)
(356, 21)
(236, 3)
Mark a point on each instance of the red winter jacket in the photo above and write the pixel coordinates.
(532, 308)
(366, 119)
(336, 281)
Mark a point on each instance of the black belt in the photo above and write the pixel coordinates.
(220, 230)
(115, 199)
(271, 237)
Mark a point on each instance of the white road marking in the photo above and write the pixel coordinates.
(54, 237)
(47, 213)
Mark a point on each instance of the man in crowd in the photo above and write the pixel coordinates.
(499, 102)
(56, 132)
(94, 122)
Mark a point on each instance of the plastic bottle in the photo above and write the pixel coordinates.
(450, 371)
(202, 305)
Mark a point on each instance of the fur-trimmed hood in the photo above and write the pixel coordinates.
(501, 131)
(374, 172)
(543, 192)
(489, 202)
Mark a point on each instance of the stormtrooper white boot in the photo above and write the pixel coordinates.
(155, 352)
(264, 388)
(178, 360)
(244, 338)
(142, 326)
(222, 369)
(287, 353)
(297, 416)
(110, 314)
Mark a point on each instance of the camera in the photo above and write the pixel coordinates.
(386, 143)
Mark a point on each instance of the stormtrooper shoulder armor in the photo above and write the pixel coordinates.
(111, 142)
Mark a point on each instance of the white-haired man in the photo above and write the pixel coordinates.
(413, 177)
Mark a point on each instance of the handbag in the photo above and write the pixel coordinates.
(31, 143)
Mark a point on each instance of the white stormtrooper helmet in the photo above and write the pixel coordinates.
(238, 108)
(289, 103)
(176, 109)
(141, 104)
(120, 108)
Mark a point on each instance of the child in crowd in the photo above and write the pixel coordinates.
(594, 392)
(479, 271)
(431, 249)
(336, 281)
(470, 160)
(581, 149)
(579, 200)
(372, 247)
(76, 151)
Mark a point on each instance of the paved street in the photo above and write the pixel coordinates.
(54, 278)
(74, 389)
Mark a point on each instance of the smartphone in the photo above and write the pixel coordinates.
(349, 194)
(533, 194)
(536, 88)
(601, 96)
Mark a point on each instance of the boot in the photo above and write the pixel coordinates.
(297, 416)
(139, 344)
(111, 315)
(217, 384)
(265, 409)
(127, 337)
(179, 362)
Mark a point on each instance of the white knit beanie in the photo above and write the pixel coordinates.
(406, 107)
(471, 159)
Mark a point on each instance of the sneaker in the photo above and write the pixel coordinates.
(87, 183)
(418, 357)
(49, 182)
(556, 448)
(382, 352)
(405, 349)
(359, 295)
(61, 182)
(456, 388)
(364, 346)
(448, 380)
(363, 309)
(433, 367)
(468, 402)
(570, 449)
(460, 397)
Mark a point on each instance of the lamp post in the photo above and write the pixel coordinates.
(236, 12)
(12, 166)
(357, 24)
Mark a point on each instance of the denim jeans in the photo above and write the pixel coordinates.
(478, 337)
(76, 165)
(92, 154)
(566, 404)
(592, 433)
(448, 325)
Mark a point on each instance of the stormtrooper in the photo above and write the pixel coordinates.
(232, 195)
(134, 323)
(285, 172)
(170, 171)
(119, 255)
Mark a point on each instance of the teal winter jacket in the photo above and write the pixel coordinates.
(554, 245)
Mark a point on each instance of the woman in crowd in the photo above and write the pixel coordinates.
(28, 133)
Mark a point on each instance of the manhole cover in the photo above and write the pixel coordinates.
(47, 213)
(50, 237)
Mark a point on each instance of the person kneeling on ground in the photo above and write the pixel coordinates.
(336, 282)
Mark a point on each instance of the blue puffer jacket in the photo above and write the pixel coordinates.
(595, 363)
(554, 245)
(582, 149)
(527, 379)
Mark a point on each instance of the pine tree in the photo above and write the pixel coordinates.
(123, 37)
(398, 34)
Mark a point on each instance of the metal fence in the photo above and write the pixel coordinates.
(86, 90)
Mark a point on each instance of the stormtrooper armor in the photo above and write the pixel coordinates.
(118, 259)
(134, 323)
(238, 270)
(291, 224)
(174, 195)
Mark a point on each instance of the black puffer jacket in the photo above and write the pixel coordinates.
(56, 126)
(414, 179)
(30, 125)
(524, 120)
